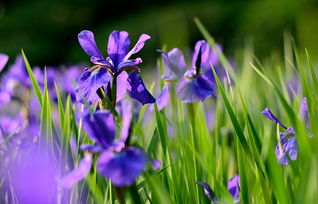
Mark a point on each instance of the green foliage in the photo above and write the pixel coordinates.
(240, 140)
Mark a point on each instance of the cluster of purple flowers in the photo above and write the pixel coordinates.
(106, 84)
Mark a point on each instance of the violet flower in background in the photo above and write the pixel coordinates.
(4, 95)
(3, 60)
(110, 73)
(233, 187)
(194, 84)
(287, 148)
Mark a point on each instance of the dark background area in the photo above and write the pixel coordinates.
(47, 29)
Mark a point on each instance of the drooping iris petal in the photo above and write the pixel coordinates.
(100, 127)
(121, 85)
(137, 90)
(268, 114)
(175, 65)
(163, 99)
(194, 90)
(87, 41)
(208, 191)
(138, 46)
(118, 45)
(79, 173)
(287, 150)
(233, 187)
(124, 167)
(129, 63)
(89, 83)
(3, 60)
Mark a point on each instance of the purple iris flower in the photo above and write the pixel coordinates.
(18, 72)
(233, 187)
(110, 72)
(118, 161)
(194, 84)
(287, 148)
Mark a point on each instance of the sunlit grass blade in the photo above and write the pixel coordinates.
(35, 84)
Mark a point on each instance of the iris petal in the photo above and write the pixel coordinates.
(3, 60)
(138, 46)
(89, 83)
(194, 90)
(79, 173)
(122, 168)
(129, 63)
(121, 85)
(208, 191)
(288, 151)
(163, 99)
(87, 41)
(118, 45)
(175, 65)
(268, 114)
(137, 90)
(233, 187)
(100, 127)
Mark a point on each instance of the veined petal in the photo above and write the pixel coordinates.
(268, 114)
(137, 90)
(175, 65)
(100, 127)
(122, 168)
(87, 41)
(118, 45)
(79, 173)
(208, 191)
(138, 46)
(3, 60)
(90, 82)
(233, 187)
(129, 63)
(194, 90)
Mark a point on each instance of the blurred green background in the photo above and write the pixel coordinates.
(47, 29)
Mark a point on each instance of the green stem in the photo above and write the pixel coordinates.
(114, 90)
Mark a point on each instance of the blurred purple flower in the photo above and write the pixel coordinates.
(3, 60)
(113, 67)
(18, 72)
(287, 148)
(233, 187)
(194, 84)
(34, 175)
